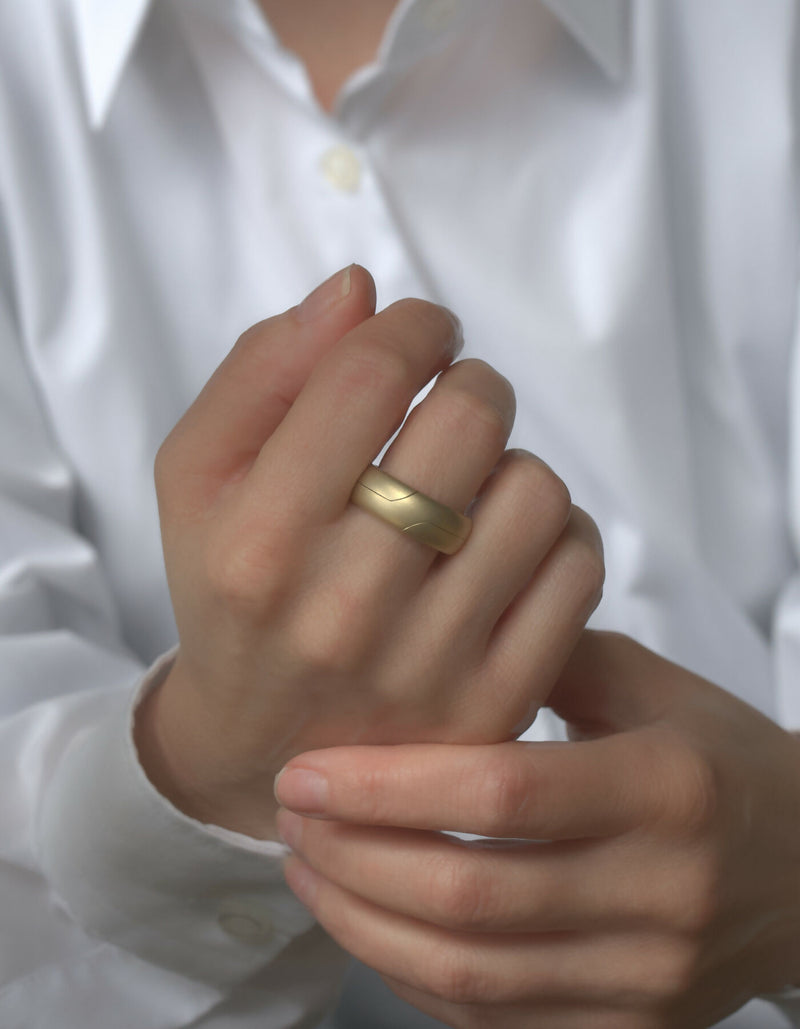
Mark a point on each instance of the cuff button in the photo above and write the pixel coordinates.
(245, 925)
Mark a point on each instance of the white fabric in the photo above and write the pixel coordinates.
(605, 191)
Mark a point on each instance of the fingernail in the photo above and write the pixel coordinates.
(302, 790)
(290, 828)
(324, 297)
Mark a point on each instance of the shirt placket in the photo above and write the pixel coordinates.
(304, 169)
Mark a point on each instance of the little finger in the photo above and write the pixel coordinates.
(469, 968)
(519, 515)
(535, 635)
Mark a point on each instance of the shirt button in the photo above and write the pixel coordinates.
(437, 14)
(244, 921)
(341, 168)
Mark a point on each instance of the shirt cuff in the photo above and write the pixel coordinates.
(132, 869)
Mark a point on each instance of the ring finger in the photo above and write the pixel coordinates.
(489, 886)
(447, 447)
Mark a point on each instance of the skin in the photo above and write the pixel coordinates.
(304, 621)
(661, 889)
(333, 37)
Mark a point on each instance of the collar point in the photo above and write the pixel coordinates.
(106, 35)
(602, 27)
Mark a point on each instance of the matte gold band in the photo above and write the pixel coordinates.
(413, 513)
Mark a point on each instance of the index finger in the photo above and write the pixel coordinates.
(251, 391)
(515, 790)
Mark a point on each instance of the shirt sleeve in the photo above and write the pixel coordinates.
(786, 629)
(786, 622)
(117, 909)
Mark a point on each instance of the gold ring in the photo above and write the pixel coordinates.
(413, 513)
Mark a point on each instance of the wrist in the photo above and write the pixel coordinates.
(185, 757)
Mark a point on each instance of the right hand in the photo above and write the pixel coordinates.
(305, 622)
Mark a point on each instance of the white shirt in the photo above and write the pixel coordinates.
(606, 193)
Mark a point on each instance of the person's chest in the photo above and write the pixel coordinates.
(589, 233)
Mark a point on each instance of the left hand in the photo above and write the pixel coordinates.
(654, 880)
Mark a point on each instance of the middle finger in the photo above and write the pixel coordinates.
(447, 447)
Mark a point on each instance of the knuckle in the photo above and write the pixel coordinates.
(233, 580)
(458, 893)
(374, 800)
(328, 635)
(693, 902)
(251, 339)
(246, 573)
(453, 977)
(670, 973)
(487, 394)
(374, 364)
(490, 376)
(423, 318)
(468, 407)
(584, 553)
(253, 356)
(554, 906)
(693, 798)
(503, 797)
(388, 357)
(541, 490)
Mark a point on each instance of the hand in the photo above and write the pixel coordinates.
(306, 622)
(664, 891)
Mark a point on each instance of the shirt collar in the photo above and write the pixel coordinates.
(107, 32)
(602, 27)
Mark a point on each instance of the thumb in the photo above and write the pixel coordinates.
(247, 397)
(612, 683)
